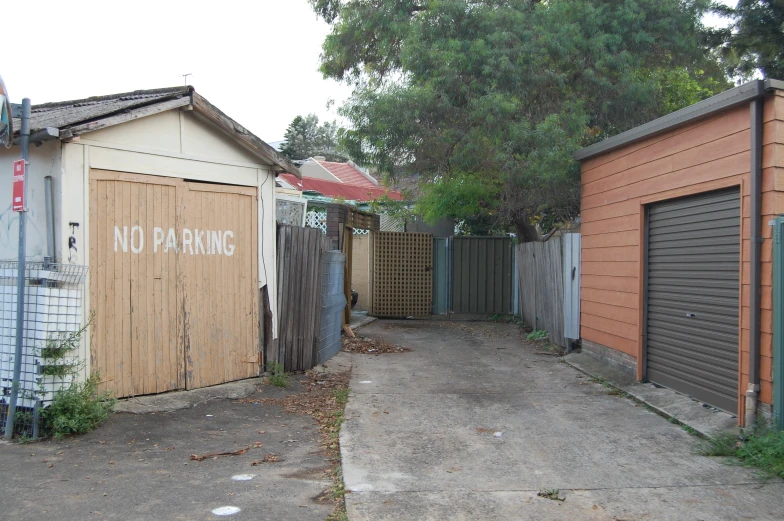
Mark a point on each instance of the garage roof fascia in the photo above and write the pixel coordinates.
(726, 100)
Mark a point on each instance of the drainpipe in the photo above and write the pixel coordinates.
(755, 209)
(49, 196)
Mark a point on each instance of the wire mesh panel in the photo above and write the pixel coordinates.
(52, 354)
(333, 302)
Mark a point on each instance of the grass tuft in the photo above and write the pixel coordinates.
(763, 449)
(536, 334)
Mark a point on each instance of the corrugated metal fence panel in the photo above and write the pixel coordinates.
(693, 296)
(441, 277)
(482, 275)
(333, 301)
(778, 320)
(403, 274)
(300, 274)
(571, 278)
(540, 267)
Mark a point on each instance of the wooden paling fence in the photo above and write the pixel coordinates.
(548, 275)
(300, 275)
(541, 294)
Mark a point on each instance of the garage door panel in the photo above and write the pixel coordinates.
(705, 334)
(222, 341)
(691, 216)
(704, 323)
(719, 236)
(664, 207)
(692, 294)
(154, 288)
(122, 284)
(682, 352)
(705, 374)
(677, 225)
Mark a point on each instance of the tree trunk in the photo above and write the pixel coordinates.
(526, 232)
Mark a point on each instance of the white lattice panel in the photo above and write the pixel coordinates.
(316, 218)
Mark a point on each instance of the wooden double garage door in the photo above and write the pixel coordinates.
(693, 292)
(173, 283)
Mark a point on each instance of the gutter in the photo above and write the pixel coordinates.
(39, 136)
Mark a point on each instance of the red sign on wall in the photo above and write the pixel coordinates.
(18, 204)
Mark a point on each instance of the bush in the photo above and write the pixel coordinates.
(77, 409)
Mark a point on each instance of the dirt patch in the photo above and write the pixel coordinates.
(371, 346)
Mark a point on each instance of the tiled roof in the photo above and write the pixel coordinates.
(347, 174)
(344, 190)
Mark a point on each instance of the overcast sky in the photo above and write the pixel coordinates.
(256, 60)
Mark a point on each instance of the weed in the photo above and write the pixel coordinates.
(77, 409)
(58, 370)
(616, 392)
(763, 448)
(341, 395)
(278, 376)
(536, 334)
(690, 430)
(553, 494)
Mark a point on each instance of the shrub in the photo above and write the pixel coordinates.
(77, 409)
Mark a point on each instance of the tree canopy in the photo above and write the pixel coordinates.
(755, 39)
(305, 138)
(488, 99)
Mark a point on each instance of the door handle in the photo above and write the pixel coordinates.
(691, 315)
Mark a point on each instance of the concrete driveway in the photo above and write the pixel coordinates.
(419, 439)
(138, 466)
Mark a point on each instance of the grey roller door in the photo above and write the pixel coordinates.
(693, 296)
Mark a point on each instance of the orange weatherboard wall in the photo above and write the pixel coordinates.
(697, 157)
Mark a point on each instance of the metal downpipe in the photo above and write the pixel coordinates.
(755, 209)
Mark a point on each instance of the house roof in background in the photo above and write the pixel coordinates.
(348, 173)
(344, 190)
(70, 119)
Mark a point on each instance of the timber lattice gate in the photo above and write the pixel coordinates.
(402, 274)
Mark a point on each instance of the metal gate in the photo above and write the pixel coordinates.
(333, 302)
(482, 275)
(402, 274)
(174, 283)
(692, 296)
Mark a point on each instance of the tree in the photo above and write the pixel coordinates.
(755, 39)
(503, 92)
(305, 138)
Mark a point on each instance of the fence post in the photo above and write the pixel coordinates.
(20, 280)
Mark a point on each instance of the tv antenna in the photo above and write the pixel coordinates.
(185, 76)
